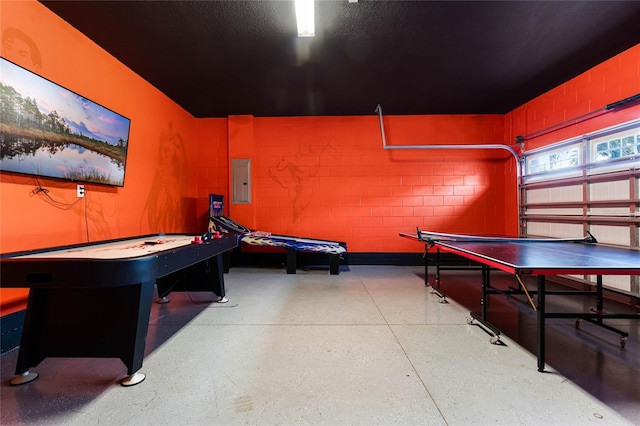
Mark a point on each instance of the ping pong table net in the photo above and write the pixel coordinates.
(432, 238)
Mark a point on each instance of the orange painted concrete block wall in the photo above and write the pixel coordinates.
(585, 95)
(241, 145)
(331, 178)
(212, 165)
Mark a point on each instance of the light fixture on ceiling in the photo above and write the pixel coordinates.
(305, 18)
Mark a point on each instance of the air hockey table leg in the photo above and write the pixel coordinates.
(21, 379)
(133, 379)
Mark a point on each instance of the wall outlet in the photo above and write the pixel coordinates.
(80, 191)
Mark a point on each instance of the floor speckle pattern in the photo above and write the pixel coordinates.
(371, 346)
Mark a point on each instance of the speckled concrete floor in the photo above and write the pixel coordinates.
(369, 346)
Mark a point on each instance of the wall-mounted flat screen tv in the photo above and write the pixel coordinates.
(48, 130)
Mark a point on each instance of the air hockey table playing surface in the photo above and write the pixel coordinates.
(118, 249)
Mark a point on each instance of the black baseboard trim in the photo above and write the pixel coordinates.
(11, 327)
(317, 259)
(396, 259)
(275, 258)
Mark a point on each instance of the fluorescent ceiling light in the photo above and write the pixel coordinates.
(305, 18)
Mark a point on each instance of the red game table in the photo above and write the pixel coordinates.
(540, 258)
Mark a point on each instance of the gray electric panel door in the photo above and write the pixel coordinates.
(241, 179)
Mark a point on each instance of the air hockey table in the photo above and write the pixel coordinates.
(94, 300)
(539, 258)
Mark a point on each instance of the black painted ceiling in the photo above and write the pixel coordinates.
(221, 58)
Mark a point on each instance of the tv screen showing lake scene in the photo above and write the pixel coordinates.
(48, 130)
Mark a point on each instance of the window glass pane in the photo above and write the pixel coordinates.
(624, 145)
(560, 159)
(609, 149)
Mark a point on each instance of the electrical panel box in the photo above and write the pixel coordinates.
(241, 181)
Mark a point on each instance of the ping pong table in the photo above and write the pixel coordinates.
(540, 258)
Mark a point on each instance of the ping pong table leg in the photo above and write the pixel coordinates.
(426, 266)
(483, 300)
(541, 322)
(599, 309)
(435, 288)
(437, 279)
(599, 300)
